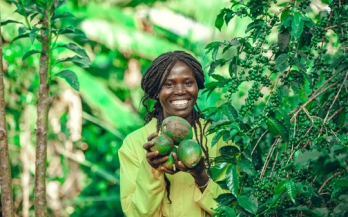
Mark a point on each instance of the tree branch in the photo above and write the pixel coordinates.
(5, 167)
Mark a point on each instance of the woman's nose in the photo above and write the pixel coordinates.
(179, 89)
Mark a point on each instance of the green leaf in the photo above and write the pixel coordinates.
(304, 158)
(277, 128)
(228, 110)
(9, 21)
(73, 31)
(248, 203)
(282, 62)
(232, 179)
(70, 77)
(217, 137)
(233, 66)
(229, 15)
(255, 24)
(29, 53)
(26, 35)
(229, 150)
(218, 169)
(291, 190)
(218, 77)
(79, 61)
(247, 167)
(280, 188)
(33, 34)
(286, 13)
(76, 49)
(225, 199)
(219, 21)
(300, 65)
(302, 93)
(297, 25)
(337, 62)
(57, 17)
(283, 39)
(229, 212)
(285, 116)
(326, 1)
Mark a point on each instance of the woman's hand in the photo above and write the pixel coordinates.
(152, 156)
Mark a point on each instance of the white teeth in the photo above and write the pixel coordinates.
(180, 102)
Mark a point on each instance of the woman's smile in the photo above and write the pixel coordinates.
(179, 92)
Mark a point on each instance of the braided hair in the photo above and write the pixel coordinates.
(152, 82)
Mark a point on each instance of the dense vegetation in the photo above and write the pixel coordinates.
(276, 86)
(292, 124)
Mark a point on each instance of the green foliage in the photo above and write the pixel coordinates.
(291, 126)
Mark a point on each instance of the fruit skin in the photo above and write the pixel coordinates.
(170, 163)
(189, 153)
(177, 128)
(163, 144)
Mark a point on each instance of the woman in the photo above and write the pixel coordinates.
(147, 189)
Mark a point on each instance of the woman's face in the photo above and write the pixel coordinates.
(179, 92)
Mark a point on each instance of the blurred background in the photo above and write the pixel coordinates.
(86, 128)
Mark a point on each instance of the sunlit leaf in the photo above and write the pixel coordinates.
(297, 25)
(248, 203)
(247, 166)
(282, 62)
(9, 21)
(218, 169)
(232, 180)
(76, 49)
(70, 77)
(291, 190)
(26, 35)
(277, 128)
(29, 53)
(219, 21)
(79, 61)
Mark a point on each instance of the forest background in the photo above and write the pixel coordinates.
(270, 89)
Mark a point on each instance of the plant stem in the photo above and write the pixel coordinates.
(5, 167)
(42, 120)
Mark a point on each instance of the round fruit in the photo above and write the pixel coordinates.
(170, 163)
(163, 144)
(177, 128)
(189, 153)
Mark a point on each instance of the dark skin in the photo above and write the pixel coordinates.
(180, 86)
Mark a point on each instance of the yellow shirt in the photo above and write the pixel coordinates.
(143, 190)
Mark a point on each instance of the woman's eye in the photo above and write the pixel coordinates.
(188, 83)
(168, 85)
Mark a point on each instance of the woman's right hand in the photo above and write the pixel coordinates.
(152, 156)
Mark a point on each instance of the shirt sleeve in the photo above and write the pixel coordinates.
(142, 187)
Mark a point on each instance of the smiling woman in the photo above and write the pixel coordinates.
(148, 189)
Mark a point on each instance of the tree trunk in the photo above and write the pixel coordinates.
(42, 122)
(5, 168)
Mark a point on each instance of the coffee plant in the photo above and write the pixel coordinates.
(291, 126)
(41, 26)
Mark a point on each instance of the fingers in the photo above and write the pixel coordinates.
(148, 145)
(167, 171)
(178, 164)
(151, 136)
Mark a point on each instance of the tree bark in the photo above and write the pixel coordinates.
(42, 122)
(5, 168)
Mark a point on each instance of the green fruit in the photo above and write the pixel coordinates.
(170, 163)
(163, 144)
(177, 128)
(189, 153)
